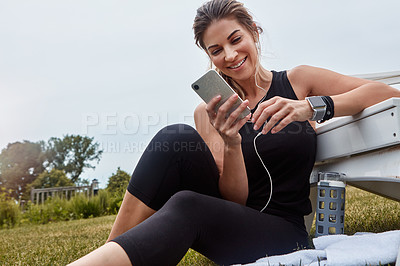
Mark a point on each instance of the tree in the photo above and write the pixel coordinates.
(118, 182)
(20, 164)
(54, 178)
(72, 154)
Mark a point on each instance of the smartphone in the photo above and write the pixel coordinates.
(212, 84)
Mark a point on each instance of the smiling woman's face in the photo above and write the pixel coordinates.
(231, 48)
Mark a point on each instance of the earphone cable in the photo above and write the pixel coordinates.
(266, 169)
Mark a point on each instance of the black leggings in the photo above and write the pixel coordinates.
(178, 177)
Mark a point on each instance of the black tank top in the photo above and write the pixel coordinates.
(289, 156)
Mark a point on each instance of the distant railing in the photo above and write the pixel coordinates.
(39, 195)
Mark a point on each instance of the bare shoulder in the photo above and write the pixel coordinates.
(299, 71)
(303, 74)
(299, 79)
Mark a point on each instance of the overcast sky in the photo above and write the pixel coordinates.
(119, 71)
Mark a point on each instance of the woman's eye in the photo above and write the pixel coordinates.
(216, 51)
(237, 39)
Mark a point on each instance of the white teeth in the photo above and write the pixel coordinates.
(239, 64)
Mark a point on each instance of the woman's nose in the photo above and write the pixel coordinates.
(230, 54)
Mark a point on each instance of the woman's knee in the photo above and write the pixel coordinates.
(177, 138)
(166, 165)
(177, 132)
(177, 129)
(187, 203)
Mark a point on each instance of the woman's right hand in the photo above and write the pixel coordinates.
(227, 127)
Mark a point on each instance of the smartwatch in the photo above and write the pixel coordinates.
(319, 107)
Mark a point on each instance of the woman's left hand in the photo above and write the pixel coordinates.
(282, 111)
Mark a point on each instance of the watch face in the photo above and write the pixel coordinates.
(317, 102)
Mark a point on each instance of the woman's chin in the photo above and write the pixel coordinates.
(245, 74)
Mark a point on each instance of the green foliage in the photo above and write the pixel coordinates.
(118, 182)
(115, 203)
(20, 164)
(116, 187)
(55, 209)
(72, 154)
(104, 201)
(10, 213)
(84, 207)
(54, 178)
(78, 207)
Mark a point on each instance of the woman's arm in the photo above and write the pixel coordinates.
(350, 96)
(209, 135)
(226, 149)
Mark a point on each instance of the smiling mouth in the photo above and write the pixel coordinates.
(239, 64)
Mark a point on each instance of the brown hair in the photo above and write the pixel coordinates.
(215, 10)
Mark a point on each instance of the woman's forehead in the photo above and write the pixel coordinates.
(220, 30)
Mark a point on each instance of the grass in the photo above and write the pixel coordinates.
(54, 243)
(370, 213)
(62, 242)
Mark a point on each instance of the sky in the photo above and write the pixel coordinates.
(120, 70)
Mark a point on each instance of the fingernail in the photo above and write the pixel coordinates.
(255, 126)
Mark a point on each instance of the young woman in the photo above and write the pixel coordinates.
(207, 189)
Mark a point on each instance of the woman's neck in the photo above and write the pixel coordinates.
(253, 93)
